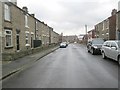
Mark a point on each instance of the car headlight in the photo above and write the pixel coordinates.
(95, 47)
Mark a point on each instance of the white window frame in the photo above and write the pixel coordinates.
(107, 24)
(6, 38)
(7, 12)
(26, 21)
(27, 38)
(36, 25)
(103, 26)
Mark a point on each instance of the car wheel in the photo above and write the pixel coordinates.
(103, 55)
(88, 50)
(93, 51)
(119, 60)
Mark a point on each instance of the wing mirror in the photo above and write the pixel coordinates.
(114, 48)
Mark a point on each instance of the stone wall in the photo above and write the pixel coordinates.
(14, 56)
(0, 30)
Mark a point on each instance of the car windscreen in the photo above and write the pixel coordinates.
(118, 44)
(97, 41)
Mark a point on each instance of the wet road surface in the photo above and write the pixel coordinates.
(71, 67)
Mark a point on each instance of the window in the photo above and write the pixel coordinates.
(7, 12)
(27, 38)
(36, 25)
(8, 38)
(26, 21)
(107, 44)
(107, 26)
(113, 44)
(98, 41)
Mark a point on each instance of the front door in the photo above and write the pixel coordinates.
(17, 42)
(31, 41)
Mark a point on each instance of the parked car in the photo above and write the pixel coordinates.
(63, 45)
(94, 46)
(111, 49)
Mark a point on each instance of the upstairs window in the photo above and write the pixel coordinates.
(6, 12)
(103, 26)
(36, 25)
(107, 24)
(26, 20)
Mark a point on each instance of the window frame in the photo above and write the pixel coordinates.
(106, 44)
(26, 21)
(36, 25)
(7, 12)
(27, 38)
(113, 44)
(6, 38)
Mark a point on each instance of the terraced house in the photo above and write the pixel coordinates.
(118, 22)
(21, 31)
(107, 28)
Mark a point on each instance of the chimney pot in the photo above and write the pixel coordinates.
(114, 11)
(25, 9)
(33, 15)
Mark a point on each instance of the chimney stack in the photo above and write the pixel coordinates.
(25, 9)
(114, 11)
(33, 15)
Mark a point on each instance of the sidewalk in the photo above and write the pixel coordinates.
(12, 67)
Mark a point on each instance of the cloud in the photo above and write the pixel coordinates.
(70, 16)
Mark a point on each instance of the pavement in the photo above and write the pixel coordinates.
(11, 67)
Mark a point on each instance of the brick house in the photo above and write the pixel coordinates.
(54, 37)
(112, 25)
(107, 28)
(98, 30)
(118, 25)
(71, 38)
(19, 30)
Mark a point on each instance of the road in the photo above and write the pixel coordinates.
(71, 67)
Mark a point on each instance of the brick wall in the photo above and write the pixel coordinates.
(1, 30)
(18, 28)
(112, 27)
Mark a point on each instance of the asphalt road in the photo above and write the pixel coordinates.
(71, 67)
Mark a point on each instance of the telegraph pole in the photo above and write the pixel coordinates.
(86, 33)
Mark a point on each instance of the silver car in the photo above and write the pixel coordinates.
(111, 49)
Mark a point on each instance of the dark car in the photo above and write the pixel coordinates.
(94, 46)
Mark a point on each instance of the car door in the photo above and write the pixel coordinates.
(107, 49)
(113, 51)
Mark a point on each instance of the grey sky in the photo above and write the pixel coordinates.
(70, 16)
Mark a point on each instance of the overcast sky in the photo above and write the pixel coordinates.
(70, 16)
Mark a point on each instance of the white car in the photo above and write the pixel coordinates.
(63, 45)
(111, 49)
